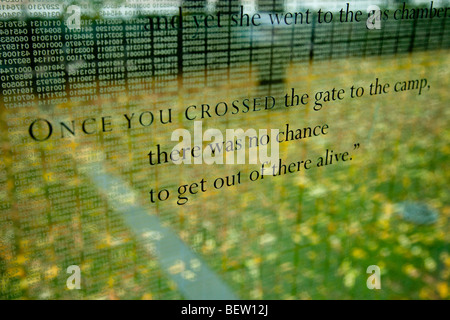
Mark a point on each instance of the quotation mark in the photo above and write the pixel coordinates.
(356, 146)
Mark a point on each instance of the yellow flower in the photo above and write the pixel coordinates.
(147, 296)
(443, 290)
(21, 259)
(52, 272)
(359, 253)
